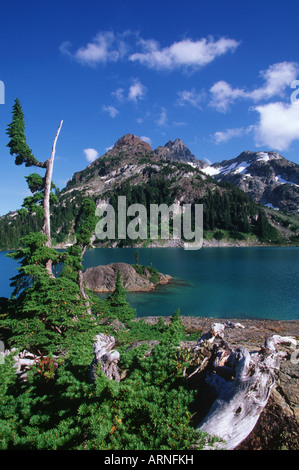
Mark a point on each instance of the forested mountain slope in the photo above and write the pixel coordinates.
(168, 175)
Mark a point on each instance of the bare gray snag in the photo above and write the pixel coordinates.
(242, 382)
(106, 357)
(48, 181)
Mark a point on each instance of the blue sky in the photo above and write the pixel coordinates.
(216, 74)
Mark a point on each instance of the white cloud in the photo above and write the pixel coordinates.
(278, 125)
(185, 53)
(90, 154)
(277, 78)
(224, 136)
(119, 94)
(136, 91)
(111, 110)
(146, 139)
(162, 119)
(108, 46)
(191, 97)
(223, 95)
(105, 47)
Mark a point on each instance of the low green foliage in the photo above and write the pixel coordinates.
(58, 408)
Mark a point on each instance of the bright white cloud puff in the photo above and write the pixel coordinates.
(277, 78)
(105, 47)
(278, 125)
(136, 91)
(90, 154)
(185, 53)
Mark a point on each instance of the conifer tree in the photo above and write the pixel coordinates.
(44, 312)
(265, 231)
(38, 185)
(118, 305)
(44, 309)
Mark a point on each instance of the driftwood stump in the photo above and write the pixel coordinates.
(242, 382)
(106, 357)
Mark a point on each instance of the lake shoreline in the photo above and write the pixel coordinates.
(254, 332)
(178, 244)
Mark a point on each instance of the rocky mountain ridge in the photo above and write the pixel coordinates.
(133, 160)
(231, 193)
(268, 178)
(172, 174)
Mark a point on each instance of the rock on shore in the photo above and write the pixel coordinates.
(102, 278)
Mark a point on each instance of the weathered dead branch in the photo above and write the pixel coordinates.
(242, 382)
(106, 357)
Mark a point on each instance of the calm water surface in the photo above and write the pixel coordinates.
(212, 282)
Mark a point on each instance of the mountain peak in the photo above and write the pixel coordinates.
(176, 150)
(176, 143)
(259, 156)
(267, 177)
(179, 149)
(130, 141)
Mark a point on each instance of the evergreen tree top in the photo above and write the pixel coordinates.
(119, 294)
(17, 144)
(118, 305)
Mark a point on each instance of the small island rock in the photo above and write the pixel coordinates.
(102, 278)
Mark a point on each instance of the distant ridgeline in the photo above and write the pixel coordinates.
(168, 175)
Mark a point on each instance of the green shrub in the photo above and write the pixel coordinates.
(117, 303)
(147, 410)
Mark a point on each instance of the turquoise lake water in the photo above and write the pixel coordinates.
(211, 282)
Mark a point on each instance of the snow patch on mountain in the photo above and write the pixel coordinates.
(263, 157)
(234, 168)
(281, 180)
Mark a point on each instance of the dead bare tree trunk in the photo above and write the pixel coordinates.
(82, 287)
(46, 205)
(106, 357)
(242, 382)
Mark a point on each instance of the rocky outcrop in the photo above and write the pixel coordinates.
(102, 278)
